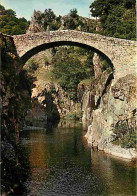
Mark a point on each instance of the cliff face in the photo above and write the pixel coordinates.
(15, 89)
(110, 107)
(15, 101)
(90, 93)
(117, 107)
(56, 104)
(50, 102)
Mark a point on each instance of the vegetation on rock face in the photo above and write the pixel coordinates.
(71, 65)
(118, 18)
(15, 95)
(125, 135)
(48, 21)
(32, 67)
(10, 24)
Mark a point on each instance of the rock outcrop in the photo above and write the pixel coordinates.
(15, 87)
(15, 101)
(55, 102)
(97, 65)
(87, 99)
(34, 26)
(117, 104)
(49, 100)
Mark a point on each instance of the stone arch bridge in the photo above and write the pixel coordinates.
(119, 52)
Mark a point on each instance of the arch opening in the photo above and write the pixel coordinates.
(93, 104)
(45, 46)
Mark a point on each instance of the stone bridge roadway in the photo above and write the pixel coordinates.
(120, 53)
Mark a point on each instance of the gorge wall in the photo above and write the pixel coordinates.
(115, 113)
(15, 101)
(50, 102)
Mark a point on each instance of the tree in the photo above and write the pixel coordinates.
(23, 26)
(2, 8)
(112, 16)
(73, 13)
(22, 20)
(49, 18)
(70, 70)
(129, 4)
(10, 24)
(10, 12)
(16, 30)
(70, 23)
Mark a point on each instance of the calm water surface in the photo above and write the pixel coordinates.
(62, 164)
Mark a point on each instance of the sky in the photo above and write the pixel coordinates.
(25, 8)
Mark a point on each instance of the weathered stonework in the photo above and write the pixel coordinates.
(119, 52)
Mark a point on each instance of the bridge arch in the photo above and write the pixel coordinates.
(45, 46)
(120, 53)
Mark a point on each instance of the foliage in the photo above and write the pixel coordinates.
(32, 66)
(73, 13)
(105, 65)
(118, 18)
(48, 20)
(10, 24)
(69, 70)
(10, 12)
(2, 8)
(75, 22)
(125, 135)
(70, 23)
(74, 116)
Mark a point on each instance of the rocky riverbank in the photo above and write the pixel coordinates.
(113, 127)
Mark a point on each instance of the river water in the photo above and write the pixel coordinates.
(62, 164)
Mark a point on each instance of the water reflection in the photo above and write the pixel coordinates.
(62, 164)
(118, 175)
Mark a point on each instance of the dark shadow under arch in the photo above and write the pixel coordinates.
(45, 46)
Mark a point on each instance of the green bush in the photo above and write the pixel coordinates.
(125, 135)
(32, 66)
(10, 24)
(73, 13)
(74, 116)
